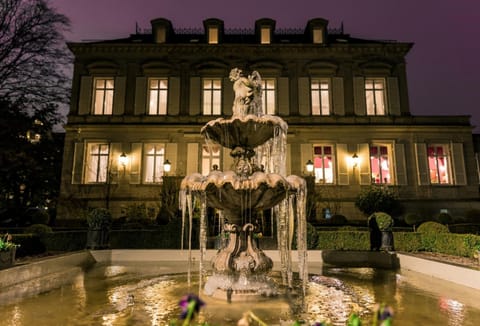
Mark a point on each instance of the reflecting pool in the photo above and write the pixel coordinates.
(142, 294)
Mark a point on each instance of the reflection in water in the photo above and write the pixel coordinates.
(114, 296)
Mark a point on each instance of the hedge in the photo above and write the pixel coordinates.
(344, 240)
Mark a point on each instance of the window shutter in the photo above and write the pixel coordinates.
(304, 96)
(136, 163)
(338, 96)
(364, 164)
(283, 96)
(171, 155)
(305, 155)
(342, 165)
(359, 96)
(140, 95)
(393, 96)
(192, 158)
(173, 96)
(227, 96)
(227, 159)
(195, 96)
(119, 96)
(78, 163)
(422, 166)
(458, 162)
(85, 100)
(116, 149)
(400, 165)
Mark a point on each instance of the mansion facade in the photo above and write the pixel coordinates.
(141, 101)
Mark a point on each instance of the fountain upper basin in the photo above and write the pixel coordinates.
(247, 131)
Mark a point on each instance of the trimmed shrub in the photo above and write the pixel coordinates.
(65, 241)
(338, 220)
(444, 218)
(37, 216)
(344, 240)
(38, 229)
(408, 241)
(414, 219)
(432, 227)
(30, 245)
(376, 199)
(384, 221)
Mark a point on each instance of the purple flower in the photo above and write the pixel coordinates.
(190, 305)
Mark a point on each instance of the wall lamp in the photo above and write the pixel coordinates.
(309, 166)
(355, 160)
(167, 166)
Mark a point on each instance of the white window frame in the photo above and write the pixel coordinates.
(320, 158)
(376, 96)
(435, 165)
(97, 162)
(269, 96)
(320, 96)
(210, 155)
(103, 95)
(380, 160)
(212, 96)
(153, 163)
(157, 96)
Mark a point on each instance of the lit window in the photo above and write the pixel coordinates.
(103, 96)
(157, 96)
(317, 36)
(438, 164)
(154, 156)
(320, 96)
(380, 164)
(212, 96)
(375, 96)
(268, 96)
(96, 170)
(213, 35)
(323, 163)
(210, 158)
(265, 35)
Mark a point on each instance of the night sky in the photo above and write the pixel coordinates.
(443, 67)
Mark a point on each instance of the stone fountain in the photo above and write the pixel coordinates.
(256, 182)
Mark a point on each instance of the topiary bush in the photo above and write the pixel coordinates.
(39, 229)
(99, 218)
(413, 219)
(444, 218)
(384, 221)
(432, 227)
(376, 199)
(338, 220)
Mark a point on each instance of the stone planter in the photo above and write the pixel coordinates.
(387, 241)
(7, 258)
(98, 239)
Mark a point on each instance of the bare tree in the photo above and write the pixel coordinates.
(33, 53)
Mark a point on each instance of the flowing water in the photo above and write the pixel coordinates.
(141, 294)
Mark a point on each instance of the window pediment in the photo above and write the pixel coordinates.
(376, 68)
(102, 67)
(267, 68)
(212, 68)
(322, 68)
(156, 68)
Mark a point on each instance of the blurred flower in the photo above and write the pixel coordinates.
(190, 305)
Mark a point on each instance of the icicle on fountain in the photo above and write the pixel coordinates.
(257, 182)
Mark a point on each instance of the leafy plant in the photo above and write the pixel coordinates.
(384, 221)
(432, 227)
(413, 219)
(6, 243)
(99, 218)
(376, 199)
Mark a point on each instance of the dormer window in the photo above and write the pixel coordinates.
(317, 36)
(213, 35)
(265, 35)
(161, 35)
(162, 30)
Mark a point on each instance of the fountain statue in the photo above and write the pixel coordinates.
(256, 182)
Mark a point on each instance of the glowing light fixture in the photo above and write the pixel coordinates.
(309, 166)
(123, 159)
(355, 160)
(167, 166)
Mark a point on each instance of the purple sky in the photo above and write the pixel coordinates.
(443, 67)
